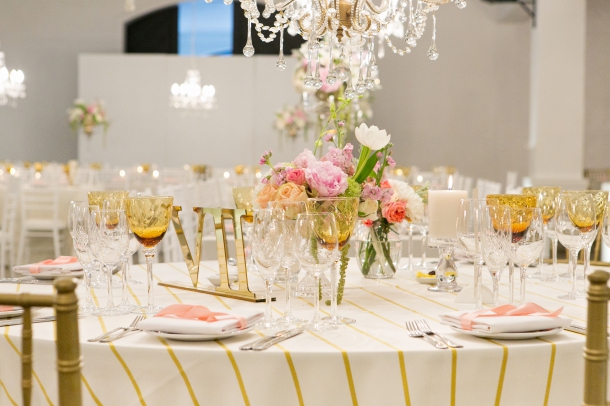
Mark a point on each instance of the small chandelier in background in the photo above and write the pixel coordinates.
(11, 84)
(191, 95)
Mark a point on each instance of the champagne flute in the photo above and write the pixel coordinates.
(148, 219)
(81, 216)
(108, 241)
(268, 250)
(317, 240)
(575, 224)
(495, 236)
(526, 240)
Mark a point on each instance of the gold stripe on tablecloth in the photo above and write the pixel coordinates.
(8, 394)
(453, 374)
(502, 371)
(168, 289)
(95, 399)
(242, 387)
(551, 367)
(398, 304)
(293, 372)
(419, 296)
(181, 370)
(348, 369)
(44, 392)
(134, 296)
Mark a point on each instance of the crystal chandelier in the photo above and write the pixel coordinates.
(349, 25)
(191, 95)
(11, 84)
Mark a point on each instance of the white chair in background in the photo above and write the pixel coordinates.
(86, 176)
(7, 232)
(512, 183)
(40, 218)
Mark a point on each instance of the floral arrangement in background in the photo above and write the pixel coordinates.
(87, 116)
(291, 120)
(337, 173)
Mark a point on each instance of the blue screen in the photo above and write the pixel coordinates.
(207, 26)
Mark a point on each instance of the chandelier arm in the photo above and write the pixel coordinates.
(357, 7)
(378, 9)
(319, 25)
(282, 6)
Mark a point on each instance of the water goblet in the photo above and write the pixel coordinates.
(576, 227)
(132, 247)
(108, 236)
(495, 236)
(526, 240)
(148, 219)
(345, 210)
(317, 242)
(81, 215)
(267, 252)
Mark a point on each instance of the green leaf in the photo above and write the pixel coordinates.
(367, 168)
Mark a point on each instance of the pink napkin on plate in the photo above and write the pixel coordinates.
(507, 319)
(59, 265)
(195, 319)
(4, 308)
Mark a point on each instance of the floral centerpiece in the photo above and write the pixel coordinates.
(87, 116)
(291, 120)
(383, 203)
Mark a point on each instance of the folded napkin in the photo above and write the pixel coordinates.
(59, 265)
(6, 308)
(192, 319)
(507, 319)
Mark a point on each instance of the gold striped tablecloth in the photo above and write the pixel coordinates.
(372, 362)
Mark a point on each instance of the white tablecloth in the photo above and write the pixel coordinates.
(372, 362)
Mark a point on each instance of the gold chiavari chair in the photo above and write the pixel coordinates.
(69, 361)
(596, 347)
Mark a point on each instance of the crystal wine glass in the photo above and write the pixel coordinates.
(81, 216)
(495, 235)
(575, 225)
(148, 219)
(268, 250)
(108, 236)
(345, 210)
(243, 196)
(605, 231)
(547, 203)
(317, 240)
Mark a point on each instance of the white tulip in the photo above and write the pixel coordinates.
(372, 137)
(367, 210)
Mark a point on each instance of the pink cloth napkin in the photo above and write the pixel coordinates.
(507, 319)
(6, 308)
(61, 264)
(194, 319)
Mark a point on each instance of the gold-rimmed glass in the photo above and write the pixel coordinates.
(148, 219)
(97, 198)
(547, 203)
(345, 210)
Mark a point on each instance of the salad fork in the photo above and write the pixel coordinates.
(424, 328)
(414, 332)
(109, 333)
(130, 329)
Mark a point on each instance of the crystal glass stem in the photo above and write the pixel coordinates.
(478, 282)
(333, 293)
(522, 278)
(315, 321)
(555, 241)
(424, 244)
(585, 268)
(124, 280)
(268, 315)
(511, 281)
(410, 246)
(108, 271)
(495, 283)
(573, 259)
(149, 253)
(89, 305)
(287, 309)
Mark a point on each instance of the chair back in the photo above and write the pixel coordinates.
(69, 361)
(596, 347)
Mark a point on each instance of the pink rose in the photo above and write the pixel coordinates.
(394, 212)
(295, 175)
(264, 196)
(290, 192)
(304, 159)
(326, 179)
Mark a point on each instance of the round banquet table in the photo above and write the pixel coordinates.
(370, 362)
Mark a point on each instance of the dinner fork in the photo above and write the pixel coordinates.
(109, 333)
(414, 332)
(130, 329)
(424, 328)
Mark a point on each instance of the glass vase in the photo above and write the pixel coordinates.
(378, 250)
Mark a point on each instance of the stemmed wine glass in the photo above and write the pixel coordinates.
(526, 241)
(605, 231)
(495, 236)
(345, 210)
(243, 196)
(575, 225)
(108, 237)
(267, 252)
(600, 198)
(81, 218)
(148, 219)
(317, 241)
(290, 264)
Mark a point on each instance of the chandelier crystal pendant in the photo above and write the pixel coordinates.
(350, 24)
(11, 84)
(191, 95)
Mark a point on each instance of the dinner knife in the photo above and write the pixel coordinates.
(273, 341)
(249, 346)
(18, 320)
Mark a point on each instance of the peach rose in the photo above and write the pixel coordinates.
(265, 195)
(394, 212)
(290, 192)
(295, 175)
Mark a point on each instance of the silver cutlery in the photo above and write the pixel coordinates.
(273, 341)
(133, 327)
(414, 332)
(27, 280)
(578, 329)
(424, 328)
(109, 333)
(250, 345)
(18, 320)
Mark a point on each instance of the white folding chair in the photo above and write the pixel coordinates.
(7, 232)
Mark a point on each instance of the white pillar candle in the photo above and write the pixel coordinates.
(443, 211)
